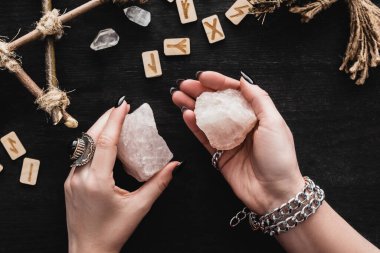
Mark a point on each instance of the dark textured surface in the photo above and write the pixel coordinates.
(335, 123)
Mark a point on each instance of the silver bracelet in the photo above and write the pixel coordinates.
(215, 158)
(288, 215)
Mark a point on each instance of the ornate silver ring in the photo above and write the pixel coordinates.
(82, 150)
(215, 158)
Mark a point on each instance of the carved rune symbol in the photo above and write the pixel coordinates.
(153, 65)
(13, 144)
(30, 173)
(185, 8)
(213, 28)
(239, 11)
(180, 46)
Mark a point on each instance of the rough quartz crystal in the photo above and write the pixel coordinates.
(106, 38)
(141, 149)
(225, 117)
(138, 15)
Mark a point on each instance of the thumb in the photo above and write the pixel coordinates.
(153, 188)
(259, 99)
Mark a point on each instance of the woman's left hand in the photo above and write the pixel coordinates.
(101, 216)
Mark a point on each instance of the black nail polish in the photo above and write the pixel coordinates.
(198, 74)
(178, 83)
(246, 77)
(120, 101)
(172, 90)
(179, 168)
(184, 108)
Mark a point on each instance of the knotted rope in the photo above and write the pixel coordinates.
(8, 59)
(53, 98)
(363, 48)
(50, 24)
(308, 11)
(122, 2)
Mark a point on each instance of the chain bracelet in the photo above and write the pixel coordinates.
(298, 217)
(241, 215)
(215, 158)
(288, 215)
(287, 208)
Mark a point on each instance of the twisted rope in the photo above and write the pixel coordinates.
(308, 11)
(122, 2)
(8, 59)
(50, 24)
(326, 3)
(53, 99)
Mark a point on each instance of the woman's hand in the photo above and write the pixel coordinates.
(101, 216)
(263, 171)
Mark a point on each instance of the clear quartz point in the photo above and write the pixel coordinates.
(138, 15)
(106, 38)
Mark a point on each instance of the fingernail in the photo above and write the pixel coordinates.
(198, 74)
(246, 77)
(179, 168)
(119, 102)
(172, 90)
(184, 108)
(178, 83)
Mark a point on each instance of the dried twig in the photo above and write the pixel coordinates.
(37, 34)
(14, 67)
(51, 75)
(53, 101)
(63, 19)
(363, 48)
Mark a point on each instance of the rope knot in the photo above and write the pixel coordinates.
(7, 58)
(50, 24)
(53, 98)
(325, 4)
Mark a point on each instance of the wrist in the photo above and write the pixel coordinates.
(279, 193)
(291, 213)
(83, 247)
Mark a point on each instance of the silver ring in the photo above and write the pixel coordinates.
(215, 158)
(83, 150)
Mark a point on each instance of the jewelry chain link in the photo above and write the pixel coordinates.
(288, 215)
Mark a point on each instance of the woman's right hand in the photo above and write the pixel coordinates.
(263, 171)
(101, 216)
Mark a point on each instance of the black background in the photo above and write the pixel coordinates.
(335, 123)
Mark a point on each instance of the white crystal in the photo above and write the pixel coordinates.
(138, 15)
(106, 38)
(225, 117)
(141, 149)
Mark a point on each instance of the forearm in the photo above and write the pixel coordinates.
(325, 231)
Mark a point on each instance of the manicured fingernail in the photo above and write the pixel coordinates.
(198, 74)
(178, 83)
(120, 101)
(184, 108)
(246, 77)
(179, 168)
(172, 90)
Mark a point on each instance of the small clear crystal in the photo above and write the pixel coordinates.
(138, 15)
(106, 38)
